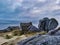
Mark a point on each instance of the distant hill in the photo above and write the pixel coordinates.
(10, 28)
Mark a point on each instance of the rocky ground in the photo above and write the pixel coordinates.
(50, 38)
(41, 40)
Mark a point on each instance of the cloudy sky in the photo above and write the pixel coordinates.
(28, 10)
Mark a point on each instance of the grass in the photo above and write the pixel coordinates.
(19, 33)
(8, 37)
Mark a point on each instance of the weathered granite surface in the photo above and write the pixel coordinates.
(41, 40)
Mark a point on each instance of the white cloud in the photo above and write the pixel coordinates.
(41, 0)
(36, 11)
(57, 1)
(14, 4)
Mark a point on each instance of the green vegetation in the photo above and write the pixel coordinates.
(11, 44)
(8, 36)
(17, 33)
(43, 32)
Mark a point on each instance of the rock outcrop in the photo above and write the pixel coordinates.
(51, 38)
(24, 26)
(52, 24)
(43, 24)
(54, 32)
(33, 28)
(47, 24)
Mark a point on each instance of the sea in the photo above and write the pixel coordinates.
(6, 23)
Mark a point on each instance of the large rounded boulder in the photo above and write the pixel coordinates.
(52, 24)
(47, 24)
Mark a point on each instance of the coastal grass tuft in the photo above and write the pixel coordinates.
(8, 37)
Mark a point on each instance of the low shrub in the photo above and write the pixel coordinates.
(11, 44)
(8, 36)
(43, 32)
(17, 33)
